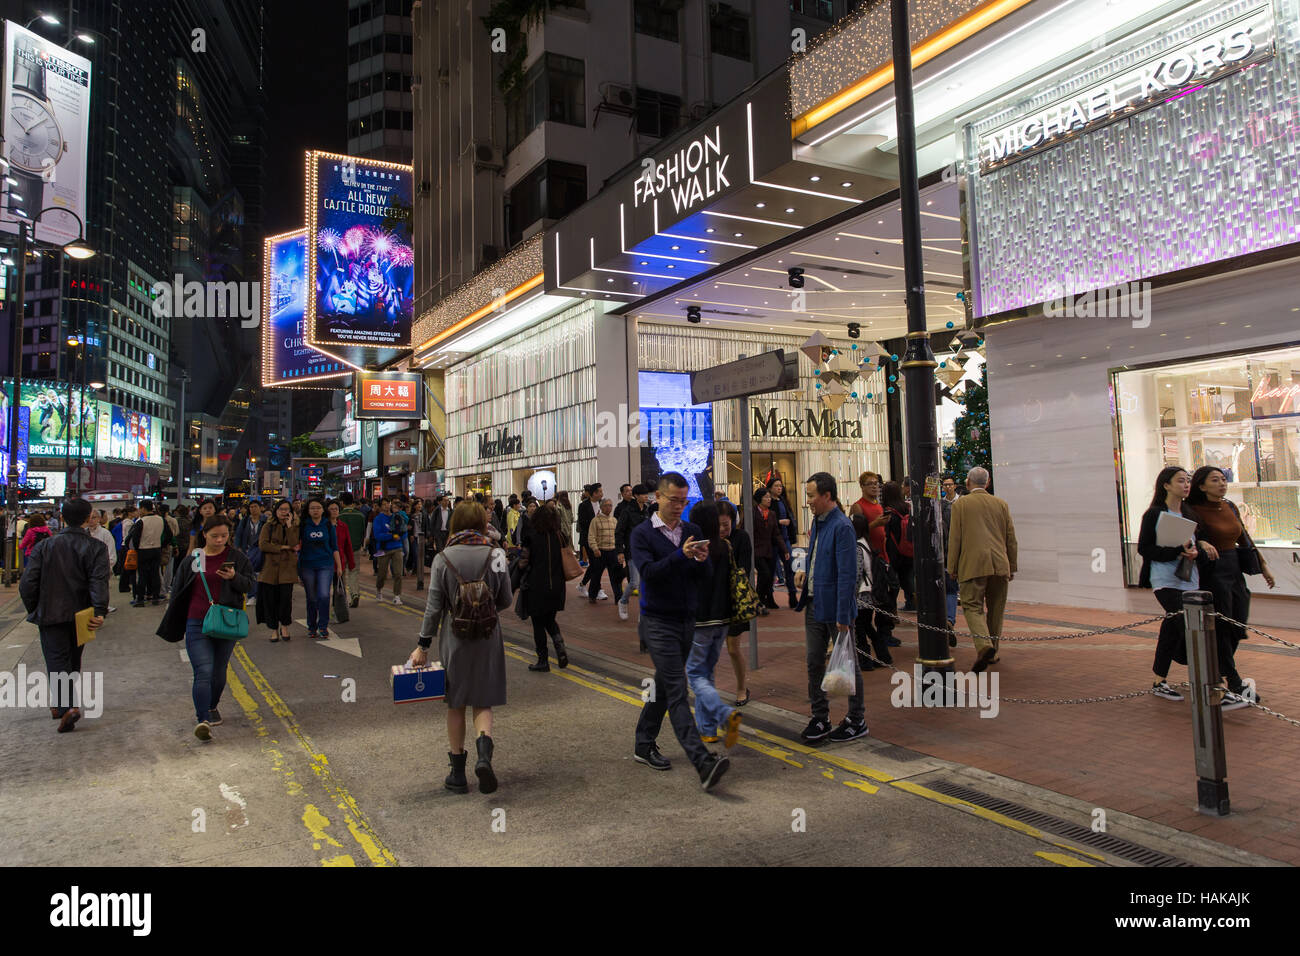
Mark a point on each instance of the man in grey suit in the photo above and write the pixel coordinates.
(982, 557)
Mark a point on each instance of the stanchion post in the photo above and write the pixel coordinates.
(1206, 700)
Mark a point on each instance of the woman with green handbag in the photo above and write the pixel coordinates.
(207, 610)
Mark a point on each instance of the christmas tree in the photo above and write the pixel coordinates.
(971, 447)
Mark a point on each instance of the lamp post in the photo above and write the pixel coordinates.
(918, 367)
(78, 250)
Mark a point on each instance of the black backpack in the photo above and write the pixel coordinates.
(474, 611)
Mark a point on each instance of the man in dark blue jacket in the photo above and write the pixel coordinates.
(830, 596)
(671, 558)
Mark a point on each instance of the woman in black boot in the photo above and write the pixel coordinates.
(475, 666)
(545, 571)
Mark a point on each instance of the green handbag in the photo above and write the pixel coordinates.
(227, 623)
(744, 599)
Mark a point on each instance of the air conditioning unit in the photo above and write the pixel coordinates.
(613, 94)
(700, 109)
(488, 156)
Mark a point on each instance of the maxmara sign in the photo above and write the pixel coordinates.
(814, 424)
(498, 444)
(1182, 60)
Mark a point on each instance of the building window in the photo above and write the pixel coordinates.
(554, 90)
(657, 114)
(729, 33)
(551, 191)
(817, 9)
(656, 19)
(1239, 413)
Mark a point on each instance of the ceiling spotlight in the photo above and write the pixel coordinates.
(796, 277)
(693, 314)
(789, 209)
(710, 229)
(814, 179)
(855, 330)
(675, 248)
(704, 252)
(760, 205)
(846, 184)
(737, 234)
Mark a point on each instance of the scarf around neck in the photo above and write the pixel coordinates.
(467, 537)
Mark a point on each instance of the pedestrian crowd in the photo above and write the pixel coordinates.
(700, 573)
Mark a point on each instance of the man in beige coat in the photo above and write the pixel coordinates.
(982, 557)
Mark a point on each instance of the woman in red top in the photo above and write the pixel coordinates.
(345, 542)
(37, 531)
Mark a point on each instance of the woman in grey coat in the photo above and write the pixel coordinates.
(475, 669)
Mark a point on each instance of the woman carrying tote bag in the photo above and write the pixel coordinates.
(226, 577)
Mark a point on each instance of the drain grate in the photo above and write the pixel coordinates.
(1055, 825)
(895, 752)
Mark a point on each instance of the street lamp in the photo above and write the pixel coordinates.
(49, 18)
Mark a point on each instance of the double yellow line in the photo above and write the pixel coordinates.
(316, 822)
(781, 748)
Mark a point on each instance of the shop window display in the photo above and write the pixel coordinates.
(1240, 413)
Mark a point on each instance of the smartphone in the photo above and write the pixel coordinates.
(228, 566)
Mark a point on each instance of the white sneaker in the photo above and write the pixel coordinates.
(111, 610)
(580, 589)
(1233, 701)
(622, 612)
(253, 599)
(602, 596)
(1163, 689)
(397, 600)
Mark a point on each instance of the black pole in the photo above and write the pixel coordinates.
(19, 306)
(918, 371)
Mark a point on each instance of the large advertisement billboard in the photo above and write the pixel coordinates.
(46, 127)
(287, 359)
(359, 255)
(126, 435)
(676, 434)
(56, 427)
(24, 426)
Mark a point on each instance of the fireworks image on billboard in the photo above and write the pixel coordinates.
(287, 359)
(360, 259)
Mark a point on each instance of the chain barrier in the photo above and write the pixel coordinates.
(1021, 639)
(1224, 617)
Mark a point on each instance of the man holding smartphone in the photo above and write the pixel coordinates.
(671, 556)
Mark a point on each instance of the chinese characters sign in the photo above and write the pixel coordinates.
(388, 395)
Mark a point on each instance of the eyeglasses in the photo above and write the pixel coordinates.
(673, 498)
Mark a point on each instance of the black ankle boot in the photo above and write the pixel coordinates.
(542, 665)
(561, 655)
(487, 780)
(456, 781)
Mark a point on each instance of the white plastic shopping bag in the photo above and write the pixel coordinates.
(840, 679)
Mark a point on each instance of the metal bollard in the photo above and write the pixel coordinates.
(1203, 675)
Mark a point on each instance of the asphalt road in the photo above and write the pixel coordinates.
(299, 776)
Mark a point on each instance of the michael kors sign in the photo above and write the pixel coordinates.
(490, 446)
(814, 424)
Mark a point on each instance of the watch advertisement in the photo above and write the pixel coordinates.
(359, 252)
(287, 359)
(675, 433)
(46, 128)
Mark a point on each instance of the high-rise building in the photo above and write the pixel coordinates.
(379, 80)
(591, 87)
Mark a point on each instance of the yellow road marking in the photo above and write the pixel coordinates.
(1075, 849)
(343, 860)
(979, 811)
(776, 752)
(834, 759)
(357, 822)
(861, 785)
(1062, 859)
(318, 824)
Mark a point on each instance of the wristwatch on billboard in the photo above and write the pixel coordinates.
(32, 131)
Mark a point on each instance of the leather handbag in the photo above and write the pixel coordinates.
(341, 613)
(569, 563)
(744, 599)
(227, 623)
(132, 560)
(1247, 553)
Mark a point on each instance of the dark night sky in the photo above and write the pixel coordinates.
(305, 71)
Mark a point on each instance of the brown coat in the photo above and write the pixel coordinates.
(982, 540)
(280, 567)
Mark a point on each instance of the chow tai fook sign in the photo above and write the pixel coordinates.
(359, 257)
(388, 396)
(1179, 57)
(287, 359)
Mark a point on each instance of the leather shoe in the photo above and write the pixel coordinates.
(69, 720)
(984, 659)
(540, 666)
(653, 759)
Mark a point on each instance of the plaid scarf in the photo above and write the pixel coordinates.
(467, 537)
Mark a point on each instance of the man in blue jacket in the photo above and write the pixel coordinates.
(672, 556)
(830, 600)
(388, 549)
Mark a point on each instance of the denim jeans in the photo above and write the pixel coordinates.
(950, 596)
(209, 657)
(710, 712)
(633, 581)
(317, 582)
(669, 642)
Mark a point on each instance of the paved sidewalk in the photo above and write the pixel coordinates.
(1133, 756)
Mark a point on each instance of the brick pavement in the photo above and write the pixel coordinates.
(1133, 756)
